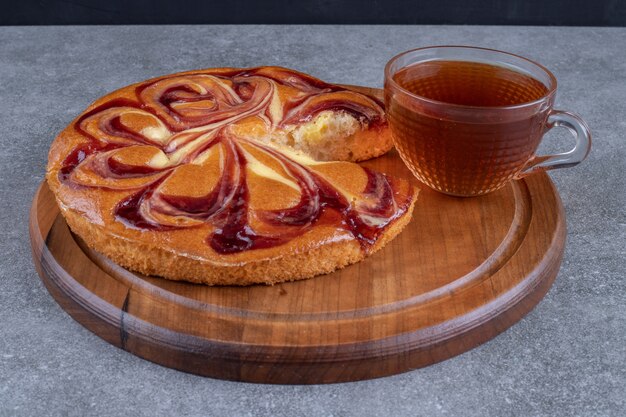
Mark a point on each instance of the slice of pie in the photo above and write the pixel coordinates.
(230, 176)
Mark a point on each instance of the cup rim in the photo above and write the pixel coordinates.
(551, 89)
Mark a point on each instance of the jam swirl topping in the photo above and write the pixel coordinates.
(177, 129)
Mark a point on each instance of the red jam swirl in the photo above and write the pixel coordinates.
(206, 103)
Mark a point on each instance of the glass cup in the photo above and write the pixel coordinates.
(467, 120)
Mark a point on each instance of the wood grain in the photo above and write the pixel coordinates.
(463, 271)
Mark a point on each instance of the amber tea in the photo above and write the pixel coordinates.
(468, 126)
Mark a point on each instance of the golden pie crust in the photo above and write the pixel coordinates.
(226, 177)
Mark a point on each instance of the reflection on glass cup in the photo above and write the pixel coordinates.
(467, 120)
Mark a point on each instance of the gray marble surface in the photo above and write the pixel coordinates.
(566, 358)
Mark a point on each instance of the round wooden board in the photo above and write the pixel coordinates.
(462, 271)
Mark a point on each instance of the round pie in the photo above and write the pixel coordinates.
(230, 176)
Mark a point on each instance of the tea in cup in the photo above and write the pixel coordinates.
(468, 120)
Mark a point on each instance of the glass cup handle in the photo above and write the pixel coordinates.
(578, 128)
